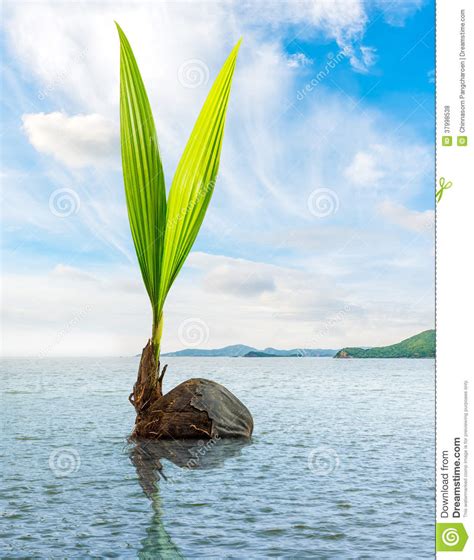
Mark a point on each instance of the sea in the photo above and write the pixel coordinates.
(340, 464)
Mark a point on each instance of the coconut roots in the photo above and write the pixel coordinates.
(148, 387)
(197, 408)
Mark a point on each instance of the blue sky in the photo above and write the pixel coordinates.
(320, 230)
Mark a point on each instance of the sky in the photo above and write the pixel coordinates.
(320, 230)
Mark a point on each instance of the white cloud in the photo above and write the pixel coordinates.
(77, 141)
(345, 22)
(72, 273)
(306, 308)
(396, 13)
(73, 51)
(239, 279)
(364, 170)
(411, 220)
(361, 57)
(369, 56)
(72, 311)
(389, 166)
(329, 300)
(298, 59)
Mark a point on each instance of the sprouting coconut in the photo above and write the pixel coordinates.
(163, 233)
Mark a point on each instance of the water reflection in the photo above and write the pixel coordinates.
(149, 459)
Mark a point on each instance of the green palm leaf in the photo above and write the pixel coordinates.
(193, 182)
(163, 234)
(142, 172)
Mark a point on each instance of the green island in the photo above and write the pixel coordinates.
(422, 345)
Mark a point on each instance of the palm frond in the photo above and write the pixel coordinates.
(193, 182)
(163, 233)
(142, 173)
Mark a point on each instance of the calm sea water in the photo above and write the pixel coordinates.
(340, 465)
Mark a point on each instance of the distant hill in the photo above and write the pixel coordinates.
(241, 350)
(301, 352)
(234, 351)
(257, 354)
(422, 345)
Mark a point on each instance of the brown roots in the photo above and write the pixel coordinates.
(148, 387)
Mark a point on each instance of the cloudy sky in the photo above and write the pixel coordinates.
(320, 230)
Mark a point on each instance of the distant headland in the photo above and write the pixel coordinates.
(243, 351)
(421, 345)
